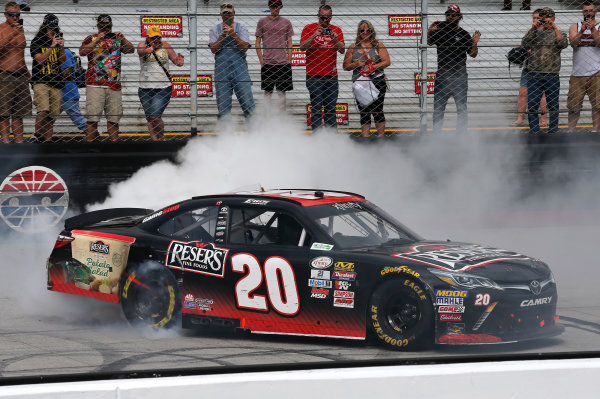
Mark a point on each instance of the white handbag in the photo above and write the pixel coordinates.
(364, 91)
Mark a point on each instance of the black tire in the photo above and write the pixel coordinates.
(401, 314)
(150, 296)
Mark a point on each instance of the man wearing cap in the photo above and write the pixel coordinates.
(103, 80)
(229, 42)
(48, 53)
(544, 42)
(15, 98)
(322, 41)
(275, 53)
(453, 44)
(585, 77)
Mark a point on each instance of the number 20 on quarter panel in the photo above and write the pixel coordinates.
(280, 280)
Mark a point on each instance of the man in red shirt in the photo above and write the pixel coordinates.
(322, 41)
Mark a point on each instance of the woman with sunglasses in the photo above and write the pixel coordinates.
(367, 56)
(155, 79)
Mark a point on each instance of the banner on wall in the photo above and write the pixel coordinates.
(341, 114)
(180, 86)
(404, 25)
(169, 26)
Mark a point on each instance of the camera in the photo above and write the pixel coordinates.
(110, 35)
(59, 34)
(326, 31)
(21, 21)
(586, 17)
(543, 22)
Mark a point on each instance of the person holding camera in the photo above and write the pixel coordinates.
(48, 53)
(544, 41)
(368, 57)
(585, 39)
(103, 80)
(453, 44)
(15, 99)
(322, 41)
(229, 41)
(155, 79)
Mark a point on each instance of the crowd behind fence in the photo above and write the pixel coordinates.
(493, 86)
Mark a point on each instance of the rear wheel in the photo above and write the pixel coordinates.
(149, 296)
(401, 314)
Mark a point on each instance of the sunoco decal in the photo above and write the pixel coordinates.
(197, 257)
(33, 199)
(457, 257)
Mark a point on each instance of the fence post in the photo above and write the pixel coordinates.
(193, 48)
(423, 80)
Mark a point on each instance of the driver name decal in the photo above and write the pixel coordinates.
(197, 257)
(458, 257)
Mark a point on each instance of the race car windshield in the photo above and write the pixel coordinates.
(358, 225)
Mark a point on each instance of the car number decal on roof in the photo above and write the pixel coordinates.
(458, 257)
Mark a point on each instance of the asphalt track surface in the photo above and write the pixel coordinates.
(49, 334)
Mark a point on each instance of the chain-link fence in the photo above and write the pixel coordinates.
(201, 40)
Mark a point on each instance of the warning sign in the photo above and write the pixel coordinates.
(341, 114)
(430, 82)
(405, 25)
(180, 86)
(169, 26)
(298, 56)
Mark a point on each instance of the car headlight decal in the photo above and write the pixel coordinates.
(464, 280)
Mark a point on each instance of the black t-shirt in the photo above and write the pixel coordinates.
(452, 48)
(49, 71)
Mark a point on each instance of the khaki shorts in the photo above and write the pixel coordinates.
(100, 99)
(15, 98)
(47, 99)
(578, 87)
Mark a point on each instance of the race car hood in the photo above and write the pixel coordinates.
(498, 264)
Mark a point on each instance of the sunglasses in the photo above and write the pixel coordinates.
(453, 14)
(365, 31)
(325, 17)
(13, 14)
(226, 14)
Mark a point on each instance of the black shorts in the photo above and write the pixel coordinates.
(276, 76)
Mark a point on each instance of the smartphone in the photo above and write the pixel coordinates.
(21, 21)
(59, 34)
(110, 35)
(229, 22)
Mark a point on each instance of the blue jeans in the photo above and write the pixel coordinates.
(233, 78)
(71, 107)
(446, 87)
(537, 85)
(323, 90)
(154, 101)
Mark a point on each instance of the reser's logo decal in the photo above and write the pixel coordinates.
(197, 257)
(100, 247)
(457, 257)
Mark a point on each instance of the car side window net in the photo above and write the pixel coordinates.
(194, 225)
(262, 227)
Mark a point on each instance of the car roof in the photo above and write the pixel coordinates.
(304, 197)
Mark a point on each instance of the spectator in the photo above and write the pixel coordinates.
(70, 94)
(545, 43)
(322, 41)
(48, 53)
(585, 39)
(368, 56)
(522, 100)
(453, 44)
(103, 80)
(155, 79)
(15, 99)
(275, 55)
(525, 5)
(229, 42)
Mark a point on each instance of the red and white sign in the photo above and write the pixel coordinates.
(343, 294)
(348, 276)
(341, 114)
(451, 309)
(343, 302)
(405, 25)
(298, 56)
(450, 317)
(180, 86)
(430, 82)
(169, 26)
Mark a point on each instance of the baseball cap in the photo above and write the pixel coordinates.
(154, 31)
(104, 19)
(50, 21)
(453, 9)
(226, 7)
(275, 4)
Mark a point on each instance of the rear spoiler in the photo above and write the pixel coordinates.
(89, 218)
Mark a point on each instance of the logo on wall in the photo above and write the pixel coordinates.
(33, 199)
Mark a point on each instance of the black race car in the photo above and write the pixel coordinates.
(301, 262)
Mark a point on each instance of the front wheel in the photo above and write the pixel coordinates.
(149, 296)
(401, 314)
